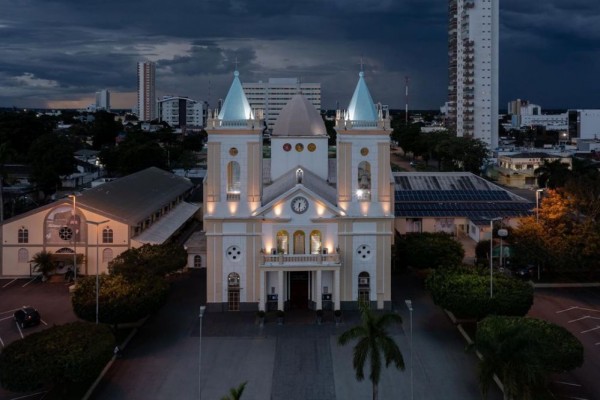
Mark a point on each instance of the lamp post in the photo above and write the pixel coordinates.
(76, 227)
(97, 262)
(491, 255)
(202, 308)
(410, 310)
(502, 233)
(537, 204)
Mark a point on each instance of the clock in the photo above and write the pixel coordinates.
(299, 205)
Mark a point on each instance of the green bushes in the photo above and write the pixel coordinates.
(120, 300)
(466, 293)
(429, 250)
(149, 260)
(60, 355)
(523, 352)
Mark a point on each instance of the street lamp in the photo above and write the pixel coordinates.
(202, 308)
(410, 309)
(75, 226)
(491, 255)
(97, 262)
(537, 204)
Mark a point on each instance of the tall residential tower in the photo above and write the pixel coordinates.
(473, 32)
(146, 72)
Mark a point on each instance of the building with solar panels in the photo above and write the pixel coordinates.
(458, 203)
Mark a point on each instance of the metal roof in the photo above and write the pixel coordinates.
(236, 106)
(361, 106)
(134, 197)
(164, 228)
(299, 117)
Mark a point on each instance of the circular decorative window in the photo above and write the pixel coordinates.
(364, 151)
(299, 147)
(65, 233)
(233, 151)
(287, 147)
(311, 147)
(233, 253)
(364, 252)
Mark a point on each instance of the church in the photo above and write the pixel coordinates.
(306, 226)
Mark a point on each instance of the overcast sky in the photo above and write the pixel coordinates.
(58, 53)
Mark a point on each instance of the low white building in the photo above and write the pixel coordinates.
(181, 111)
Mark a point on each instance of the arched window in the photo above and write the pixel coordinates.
(315, 242)
(107, 235)
(197, 261)
(299, 242)
(364, 286)
(233, 291)
(283, 240)
(107, 255)
(23, 235)
(233, 178)
(364, 181)
(23, 256)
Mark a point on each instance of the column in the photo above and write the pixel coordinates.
(262, 296)
(280, 290)
(319, 291)
(336, 289)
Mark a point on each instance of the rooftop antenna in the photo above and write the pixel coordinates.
(209, 99)
(406, 96)
(361, 64)
(236, 63)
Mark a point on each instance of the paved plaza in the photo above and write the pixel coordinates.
(297, 360)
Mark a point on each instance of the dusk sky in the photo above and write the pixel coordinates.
(58, 53)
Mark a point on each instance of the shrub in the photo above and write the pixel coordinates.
(430, 250)
(156, 260)
(60, 355)
(466, 293)
(119, 300)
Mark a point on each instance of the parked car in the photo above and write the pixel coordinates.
(27, 316)
(524, 272)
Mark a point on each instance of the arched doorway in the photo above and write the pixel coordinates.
(233, 292)
(364, 289)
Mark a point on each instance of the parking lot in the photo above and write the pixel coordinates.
(50, 299)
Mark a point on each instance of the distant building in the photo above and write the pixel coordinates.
(584, 124)
(518, 170)
(181, 111)
(146, 74)
(273, 95)
(473, 32)
(523, 107)
(103, 100)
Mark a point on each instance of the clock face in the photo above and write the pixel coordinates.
(299, 205)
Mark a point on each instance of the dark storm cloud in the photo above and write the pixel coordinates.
(68, 49)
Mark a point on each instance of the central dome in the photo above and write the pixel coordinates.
(299, 118)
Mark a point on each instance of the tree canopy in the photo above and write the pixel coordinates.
(149, 260)
(429, 250)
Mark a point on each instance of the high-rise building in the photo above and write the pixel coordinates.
(146, 73)
(103, 100)
(181, 111)
(473, 32)
(272, 96)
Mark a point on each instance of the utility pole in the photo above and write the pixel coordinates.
(406, 97)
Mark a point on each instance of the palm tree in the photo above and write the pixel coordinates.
(373, 342)
(235, 393)
(43, 263)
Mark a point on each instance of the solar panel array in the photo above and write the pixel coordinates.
(451, 195)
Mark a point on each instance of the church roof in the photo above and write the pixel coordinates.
(361, 106)
(299, 118)
(236, 106)
(309, 180)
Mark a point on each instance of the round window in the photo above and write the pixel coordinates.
(287, 147)
(364, 151)
(299, 147)
(233, 253)
(233, 151)
(65, 233)
(311, 147)
(364, 252)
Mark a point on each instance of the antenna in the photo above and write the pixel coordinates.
(361, 64)
(406, 97)
(236, 63)
(209, 99)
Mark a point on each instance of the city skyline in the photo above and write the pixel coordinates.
(58, 54)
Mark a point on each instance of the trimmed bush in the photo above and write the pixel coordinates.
(120, 300)
(429, 250)
(60, 355)
(155, 260)
(466, 293)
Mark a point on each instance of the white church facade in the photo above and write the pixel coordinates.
(298, 229)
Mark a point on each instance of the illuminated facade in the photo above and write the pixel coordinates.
(299, 229)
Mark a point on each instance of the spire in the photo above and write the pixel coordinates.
(361, 106)
(236, 106)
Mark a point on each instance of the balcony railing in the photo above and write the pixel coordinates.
(300, 259)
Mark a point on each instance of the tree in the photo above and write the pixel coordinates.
(104, 129)
(466, 292)
(523, 352)
(149, 260)
(430, 250)
(43, 263)
(61, 355)
(120, 300)
(552, 174)
(373, 343)
(236, 392)
(51, 156)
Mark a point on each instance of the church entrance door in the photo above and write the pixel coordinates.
(299, 290)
